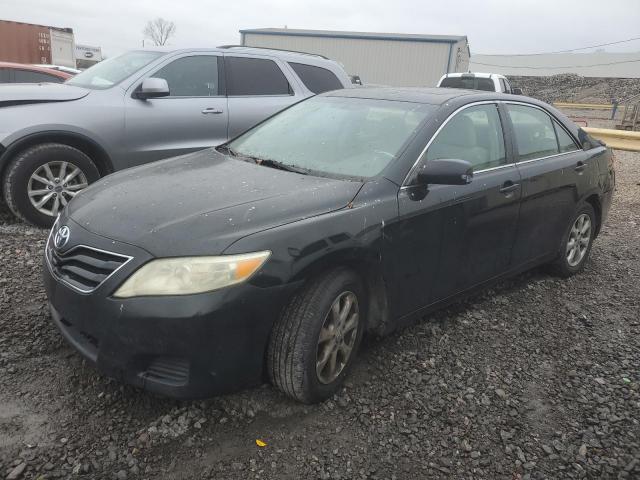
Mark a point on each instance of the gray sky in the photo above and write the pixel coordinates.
(493, 26)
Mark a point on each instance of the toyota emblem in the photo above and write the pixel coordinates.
(61, 237)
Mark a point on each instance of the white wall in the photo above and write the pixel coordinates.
(383, 62)
(553, 64)
(62, 48)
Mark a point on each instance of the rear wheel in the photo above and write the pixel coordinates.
(577, 242)
(314, 343)
(43, 179)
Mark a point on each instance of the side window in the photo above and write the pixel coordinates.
(5, 75)
(507, 85)
(27, 76)
(503, 85)
(195, 76)
(475, 135)
(535, 136)
(316, 79)
(254, 76)
(565, 142)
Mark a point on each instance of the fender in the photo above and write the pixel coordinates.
(81, 141)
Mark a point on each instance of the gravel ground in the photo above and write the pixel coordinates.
(575, 88)
(536, 378)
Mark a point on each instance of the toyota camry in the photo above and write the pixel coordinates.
(353, 212)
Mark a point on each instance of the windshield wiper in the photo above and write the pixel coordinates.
(279, 165)
(228, 149)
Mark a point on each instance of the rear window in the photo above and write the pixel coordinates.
(4, 75)
(254, 76)
(469, 83)
(316, 79)
(28, 76)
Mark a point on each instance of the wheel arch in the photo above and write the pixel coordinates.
(83, 143)
(368, 267)
(594, 201)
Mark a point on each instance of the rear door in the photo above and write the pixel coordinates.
(455, 237)
(257, 87)
(194, 116)
(554, 171)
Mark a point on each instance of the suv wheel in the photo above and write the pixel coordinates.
(315, 341)
(577, 242)
(42, 179)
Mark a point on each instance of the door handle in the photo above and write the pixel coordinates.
(580, 166)
(215, 111)
(509, 187)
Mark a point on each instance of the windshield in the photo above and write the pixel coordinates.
(113, 70)
(336, 136)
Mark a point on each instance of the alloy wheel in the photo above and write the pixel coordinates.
(53, 184)
(579, 240)
(337, 337)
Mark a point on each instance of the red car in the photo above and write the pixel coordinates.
(21, 73)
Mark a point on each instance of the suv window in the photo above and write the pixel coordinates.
(195, 76)
(534, 132)
(507, 85)
(28, 76)
(503, 84)
(316, 79)
(475, 135)
(565, 142)
(5, 75)
(254, 76)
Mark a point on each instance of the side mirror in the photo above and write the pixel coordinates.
(446, 172)
(516, 91)
(153, 88)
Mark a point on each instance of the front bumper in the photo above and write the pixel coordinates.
(190, 346)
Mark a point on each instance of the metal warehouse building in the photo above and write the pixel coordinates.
(395, 59)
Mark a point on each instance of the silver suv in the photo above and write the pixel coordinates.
(139, 107)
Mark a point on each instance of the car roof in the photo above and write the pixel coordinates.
(475, 74)
(431, 95)
(284, 54)
(33, 68)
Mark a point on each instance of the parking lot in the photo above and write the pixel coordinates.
(535, 378)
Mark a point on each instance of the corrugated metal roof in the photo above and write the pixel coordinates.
(406, 37)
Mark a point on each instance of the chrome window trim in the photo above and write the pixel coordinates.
(435, 135)
(49, 249)
(545, 157)
(485, 102)
(484, 170)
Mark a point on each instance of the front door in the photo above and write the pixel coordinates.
(194, 116)
(458, 236)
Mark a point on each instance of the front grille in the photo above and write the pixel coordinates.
(168, 370)
(84, 268)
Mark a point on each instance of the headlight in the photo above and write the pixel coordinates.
(186, 275)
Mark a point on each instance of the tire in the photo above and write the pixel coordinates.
(294, 345)
(563, 266)
(18, 181)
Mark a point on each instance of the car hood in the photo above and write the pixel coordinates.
(24, 93)
(201, 203)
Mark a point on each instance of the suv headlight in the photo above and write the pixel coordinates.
(188, 275)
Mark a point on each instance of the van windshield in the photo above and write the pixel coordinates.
(112, 71)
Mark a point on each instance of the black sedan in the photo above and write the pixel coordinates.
(356, 211)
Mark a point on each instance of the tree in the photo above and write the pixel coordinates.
(159, 31)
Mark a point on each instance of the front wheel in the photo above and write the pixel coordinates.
(577, 242)
(314, 343)
(43, 179)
